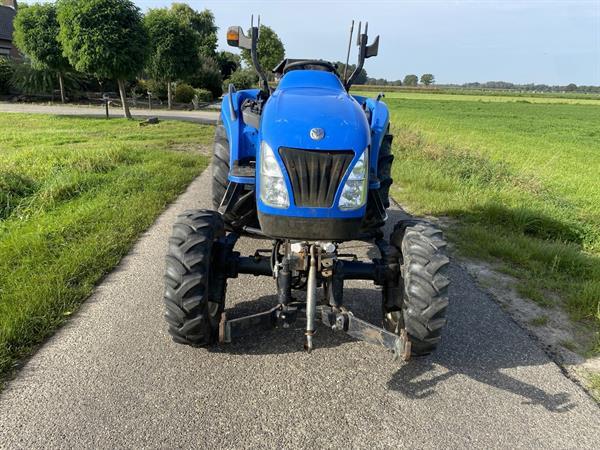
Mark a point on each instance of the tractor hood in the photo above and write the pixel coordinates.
(310, 99)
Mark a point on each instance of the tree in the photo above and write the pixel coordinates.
(410, 80)
(361, 78)
(174, 52)
(105, 38)
(571, 87)
(270, 49)
(242, 79)
(36, 35)
(203, 23)
(427, 79)
(228, 63)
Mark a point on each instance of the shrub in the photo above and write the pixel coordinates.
(158, 89)
(208, 77)
(184, 93)
(6, 74)
(203, 95)
(30, 80)
(241, 79)
(139, 88)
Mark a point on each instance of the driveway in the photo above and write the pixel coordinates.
(112, 378)
(202, 116)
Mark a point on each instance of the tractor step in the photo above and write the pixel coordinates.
(338, 320)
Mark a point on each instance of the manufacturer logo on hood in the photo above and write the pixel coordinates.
(316, 134)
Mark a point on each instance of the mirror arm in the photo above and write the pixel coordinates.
(256, 63)
(361, 60)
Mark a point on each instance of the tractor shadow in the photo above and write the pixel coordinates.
(479, 342)
(278, 340)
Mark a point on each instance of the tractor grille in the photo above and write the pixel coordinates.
(315, 174)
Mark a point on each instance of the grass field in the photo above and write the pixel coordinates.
(513, 95)
(75, 194)
(501, 98)
(522, 178)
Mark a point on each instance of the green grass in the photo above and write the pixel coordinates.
(483, 94)
(75, 194)
(539, 321)
(593, 380)
(523, 180)
(480, 97)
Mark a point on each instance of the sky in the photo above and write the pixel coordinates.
(528, 41)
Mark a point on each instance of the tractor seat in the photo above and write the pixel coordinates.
(289, 64)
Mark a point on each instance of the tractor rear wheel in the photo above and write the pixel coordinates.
(373, 220)
(220, 166)
(420, 304)
(194, 288)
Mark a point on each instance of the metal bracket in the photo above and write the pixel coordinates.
(336, 319)
(243, 326)
(364, 331)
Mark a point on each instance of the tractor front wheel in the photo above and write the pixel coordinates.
(420, 305)
(194, 288)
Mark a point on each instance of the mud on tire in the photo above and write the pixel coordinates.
(194, 290)
(420, 303)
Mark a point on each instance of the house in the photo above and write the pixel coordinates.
(8, 11)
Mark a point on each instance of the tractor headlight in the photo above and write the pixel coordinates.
(273, 190)
(354, 193)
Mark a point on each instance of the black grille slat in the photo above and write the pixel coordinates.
(315, 174)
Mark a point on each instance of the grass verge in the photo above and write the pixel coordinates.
(75, 193)
(522, 181)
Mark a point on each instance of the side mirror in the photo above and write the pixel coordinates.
(237, 38)
(372, 49)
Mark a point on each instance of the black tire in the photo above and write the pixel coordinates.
(242, 210)
(372, 222)
(220, 166)
(419, 307)
(194, 290)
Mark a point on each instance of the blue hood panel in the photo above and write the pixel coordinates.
(307, 99)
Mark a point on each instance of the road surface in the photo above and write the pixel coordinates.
(201, 116)
(112, 378)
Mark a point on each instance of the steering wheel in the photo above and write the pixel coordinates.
(309, 62)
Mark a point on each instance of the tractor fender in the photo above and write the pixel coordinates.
(380, 119)
(243, 139)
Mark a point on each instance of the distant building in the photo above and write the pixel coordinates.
(8, 11)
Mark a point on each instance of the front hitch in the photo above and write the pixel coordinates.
(336, 319)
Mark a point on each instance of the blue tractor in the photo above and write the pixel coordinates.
(308, 166)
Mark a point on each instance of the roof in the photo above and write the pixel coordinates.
(7, 14)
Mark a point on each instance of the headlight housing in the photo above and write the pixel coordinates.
(354, 193)
(273, 191)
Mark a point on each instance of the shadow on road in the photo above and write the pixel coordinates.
(479, 343)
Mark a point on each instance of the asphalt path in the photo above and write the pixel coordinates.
(112, 378)
(206, 117)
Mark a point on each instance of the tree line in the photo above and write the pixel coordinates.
(427, 79)
(112, 43)
(409, 80)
